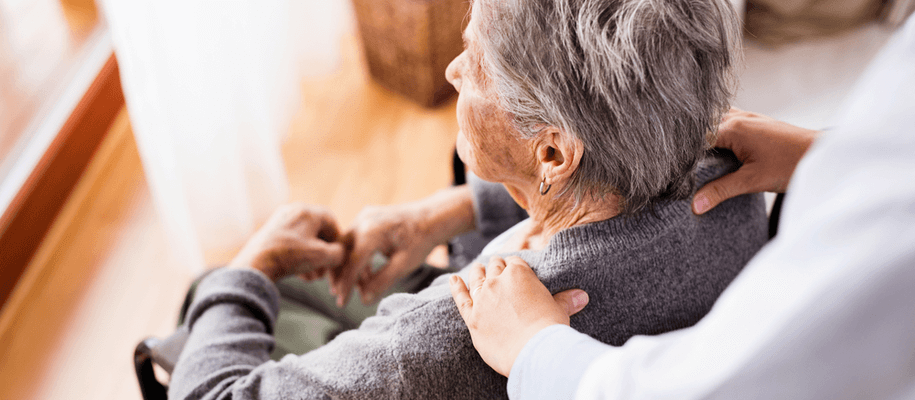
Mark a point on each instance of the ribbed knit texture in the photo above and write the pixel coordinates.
(645, 275)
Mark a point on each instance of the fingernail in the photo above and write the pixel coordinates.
(452, 280)
(701, 204)
(580, 299)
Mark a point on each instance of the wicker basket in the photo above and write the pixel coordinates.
(409, 43)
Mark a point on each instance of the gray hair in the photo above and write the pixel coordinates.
(642, 83)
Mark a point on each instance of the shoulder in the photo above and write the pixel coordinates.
(739, 224)
(739, 221)
(433, 348)
(716, 163)
(657, 272)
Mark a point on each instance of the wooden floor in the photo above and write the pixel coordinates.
(103, 278)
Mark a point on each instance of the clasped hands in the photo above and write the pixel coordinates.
(305, 240)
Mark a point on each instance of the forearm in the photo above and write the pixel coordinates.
(450, 213)
(231, 332)
(477, 205)
(231, 336)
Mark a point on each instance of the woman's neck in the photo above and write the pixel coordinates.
(550, 214)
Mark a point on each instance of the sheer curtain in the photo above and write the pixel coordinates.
(211, 87)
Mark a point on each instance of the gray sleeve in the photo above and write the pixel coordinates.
(494, 209)
(415, 347)
(227, 354)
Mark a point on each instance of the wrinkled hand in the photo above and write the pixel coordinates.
(405, 234)
(769, 150)
(506, 306)
(297, 239)
(398, 232)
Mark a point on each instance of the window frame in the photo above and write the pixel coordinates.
(45, 174)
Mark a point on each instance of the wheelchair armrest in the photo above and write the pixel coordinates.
(163, 353)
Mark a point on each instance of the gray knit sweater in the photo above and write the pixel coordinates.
(644, 275)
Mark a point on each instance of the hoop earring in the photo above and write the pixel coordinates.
(548, 187)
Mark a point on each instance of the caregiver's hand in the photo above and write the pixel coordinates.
(506, 306)
(769, 150)
(297, 239)
(405, 234)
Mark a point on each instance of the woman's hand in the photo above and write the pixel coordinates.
(405, 234)
(506, 306)
(297, 239)
(399, 232)
(769, 150)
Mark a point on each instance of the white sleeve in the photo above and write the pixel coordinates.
(827, 309)
(558, 352)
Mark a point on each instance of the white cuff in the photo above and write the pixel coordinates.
(552, 363)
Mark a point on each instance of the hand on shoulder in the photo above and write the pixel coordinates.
(769, 150)
(506, 305)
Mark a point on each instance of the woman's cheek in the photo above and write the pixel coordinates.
(482, 142)
(468, 139)
(474, 156)
(463, 149)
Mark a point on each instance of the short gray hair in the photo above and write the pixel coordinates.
(643, 83)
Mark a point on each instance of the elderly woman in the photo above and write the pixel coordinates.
(594, 116)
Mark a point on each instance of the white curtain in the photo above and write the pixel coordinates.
(211, 87)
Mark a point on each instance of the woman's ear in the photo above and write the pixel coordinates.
(558, 154)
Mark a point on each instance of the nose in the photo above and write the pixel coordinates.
(453, 73)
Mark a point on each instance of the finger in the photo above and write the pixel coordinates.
(309, 220)
(343, 279)
(735, 130)
(323, 255)
(725, 116)
(476, 275)
(494, 267)
(312, 275)
(721, 189)
(516, 265)
(572, 301)
(729, 127)
(461, 297)
(732, 112)
(379, 282)
(327, 227)
(516, 262)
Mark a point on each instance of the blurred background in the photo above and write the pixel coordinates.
(142, 141)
